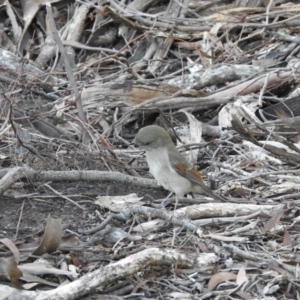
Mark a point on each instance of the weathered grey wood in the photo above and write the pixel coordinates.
(288, 108)
(12, 66)
(10, 176)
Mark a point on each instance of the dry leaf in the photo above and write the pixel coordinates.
(280, 113)
(233, 109)
(220, 277)
(37, 268)
(5, 41)
(241, 276)
(12, 247)
(287, 241)
(30, 9)
(51, 238)
(273, 221)
(118, 203)
(75, 260)
(9, 268)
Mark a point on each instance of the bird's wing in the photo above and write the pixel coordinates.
(186, 170)
(178, 161)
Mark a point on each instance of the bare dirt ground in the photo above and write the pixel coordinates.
(33, 211)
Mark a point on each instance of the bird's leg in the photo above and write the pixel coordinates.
(165, 201)
(176, 202)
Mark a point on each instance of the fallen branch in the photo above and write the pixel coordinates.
(113, 272)
(16, 174)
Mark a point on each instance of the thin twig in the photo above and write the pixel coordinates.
(62, 196)
(19, 221)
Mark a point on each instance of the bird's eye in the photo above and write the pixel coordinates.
(147, 143)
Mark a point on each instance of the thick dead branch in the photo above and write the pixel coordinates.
(140, 95)
(161, 214)
(183, 102)
(16, 174)
(216, 75)
(211, 210)
(113, 272)
(254, 85)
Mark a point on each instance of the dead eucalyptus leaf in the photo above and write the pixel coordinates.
(241, 276)
(12, 247)
(16, 28)
(42, 268)
(220, 277)
(5, 41)
(75, 260)
(51, 238)
(271, 224)
(9, 269)
(30, 9)
(287, 241)
(118, 203)
(280, 113)
(232, 110)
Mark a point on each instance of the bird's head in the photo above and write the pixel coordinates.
(152, 137)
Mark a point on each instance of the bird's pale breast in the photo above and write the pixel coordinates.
(161, 169)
